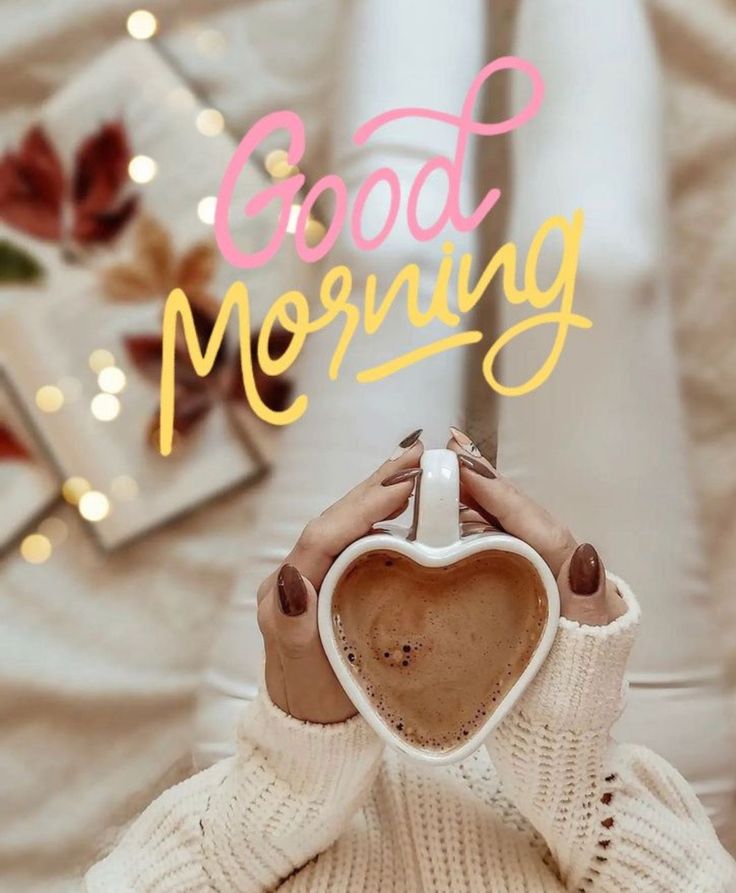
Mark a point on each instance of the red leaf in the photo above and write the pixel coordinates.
(275, 390)
(100, 172)
(32, 187)
(10, 447)
(189, 410)
(144, 352)
(104, 226)
(279, 340)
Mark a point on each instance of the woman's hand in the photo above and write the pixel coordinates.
(585, 594)
(299, 677)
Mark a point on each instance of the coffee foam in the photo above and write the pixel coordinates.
(437, 649)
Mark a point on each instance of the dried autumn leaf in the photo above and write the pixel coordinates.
(11, 449)
(126, 282)
(190, 409)
(100, 168)
(104, 226)
(196, 268)
(17, 265)
(100, 173)
(32, 187)
(155, 254)
(274, 390)
(144, 351)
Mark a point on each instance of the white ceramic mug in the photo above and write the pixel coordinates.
(434, 541)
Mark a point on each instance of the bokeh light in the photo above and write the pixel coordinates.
(142, 169)
(100, 358)
(36, 548)
(111, 380)
(142, 24)
(94, 506)
(49, 398)
(293, 217)
(206, 209)
(277, 165)
(210, 122)
(314, 232)
(105, 407)
(74, 488)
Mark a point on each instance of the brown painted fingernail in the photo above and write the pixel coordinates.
(292, 591)
(476, 466)
(462, 440)
(400, 477)
(406, 443)
(585, 570)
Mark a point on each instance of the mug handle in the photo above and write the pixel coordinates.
(437, 500)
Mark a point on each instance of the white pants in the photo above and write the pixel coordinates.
(601, 444)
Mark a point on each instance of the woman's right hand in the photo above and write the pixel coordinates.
(299, 677)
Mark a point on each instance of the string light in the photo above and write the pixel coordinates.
(94, 506)
(49, 398)
(100, 358)
(36, 548)
(142, 24)
(105, 407)
(293, 217)
(210, 122)
(206, 209)
(74, 488)
(142, 169)
(111, 380)
(124, 487)
(277, 165)
(314, 232)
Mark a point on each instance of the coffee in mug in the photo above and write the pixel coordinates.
(436, 649)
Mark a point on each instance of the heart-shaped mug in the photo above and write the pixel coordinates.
(435, 542)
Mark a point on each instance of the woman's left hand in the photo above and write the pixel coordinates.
(586, 595)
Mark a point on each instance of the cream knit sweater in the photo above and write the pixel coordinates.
(554, 805)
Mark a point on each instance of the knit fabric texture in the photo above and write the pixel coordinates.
(552, 804)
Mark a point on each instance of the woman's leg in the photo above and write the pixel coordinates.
(391, 57)
(603, 439)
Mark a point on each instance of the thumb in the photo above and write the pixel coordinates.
(582, 585)
(310, 688)
(294, 615)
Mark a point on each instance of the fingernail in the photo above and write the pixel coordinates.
(462, 440)
(292, 591)
(585, 570)
(400, 477)
(476, 466)
(406, 443)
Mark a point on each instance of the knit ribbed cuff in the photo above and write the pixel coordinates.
(581, 684)
(298, 750)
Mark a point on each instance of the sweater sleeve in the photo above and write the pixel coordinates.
(247, 823)
(616, 818)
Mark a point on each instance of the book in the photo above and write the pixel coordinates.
(54, 338)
